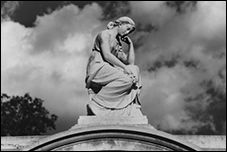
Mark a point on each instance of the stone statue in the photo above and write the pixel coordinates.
(112, 79)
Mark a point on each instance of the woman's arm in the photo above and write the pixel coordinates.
(131, 55)
(109, 57)
(131, 52)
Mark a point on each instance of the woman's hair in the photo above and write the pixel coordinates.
(121, 20)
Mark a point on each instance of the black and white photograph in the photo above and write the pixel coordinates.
(113, 75)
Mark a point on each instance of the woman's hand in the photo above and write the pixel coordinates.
(126, 39)
(127, 70)
(132, 76)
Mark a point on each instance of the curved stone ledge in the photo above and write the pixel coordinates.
(113, 133)
(207, 143)
(114, 136)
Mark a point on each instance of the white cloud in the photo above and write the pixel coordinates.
(154, 12)
(210, 20)
(66, 25)
(49, 60)
(181, 121)
(161, 93)
(198, 36)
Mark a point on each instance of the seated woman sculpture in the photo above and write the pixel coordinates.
(112, 79)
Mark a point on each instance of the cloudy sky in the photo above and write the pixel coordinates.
(180, 49)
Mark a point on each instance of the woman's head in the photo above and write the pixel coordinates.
(125, 25)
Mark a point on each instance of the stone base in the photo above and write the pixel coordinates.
(121, 120)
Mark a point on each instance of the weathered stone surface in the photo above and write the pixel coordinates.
(114, 133)
(18, 142)
(113, 144)
(85, 120)
(114, 136)
(207, 143)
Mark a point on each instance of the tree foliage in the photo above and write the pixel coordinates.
(23, 115)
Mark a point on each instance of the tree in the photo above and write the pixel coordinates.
(23, 115)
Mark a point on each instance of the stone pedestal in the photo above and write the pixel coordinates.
(108, 120)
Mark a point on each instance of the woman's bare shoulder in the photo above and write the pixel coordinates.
(104, 35)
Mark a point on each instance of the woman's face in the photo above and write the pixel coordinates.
(125, 29)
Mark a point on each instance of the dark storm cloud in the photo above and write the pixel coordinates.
(182, 6)
(29, 10)
(32, 9)
(8, 8)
